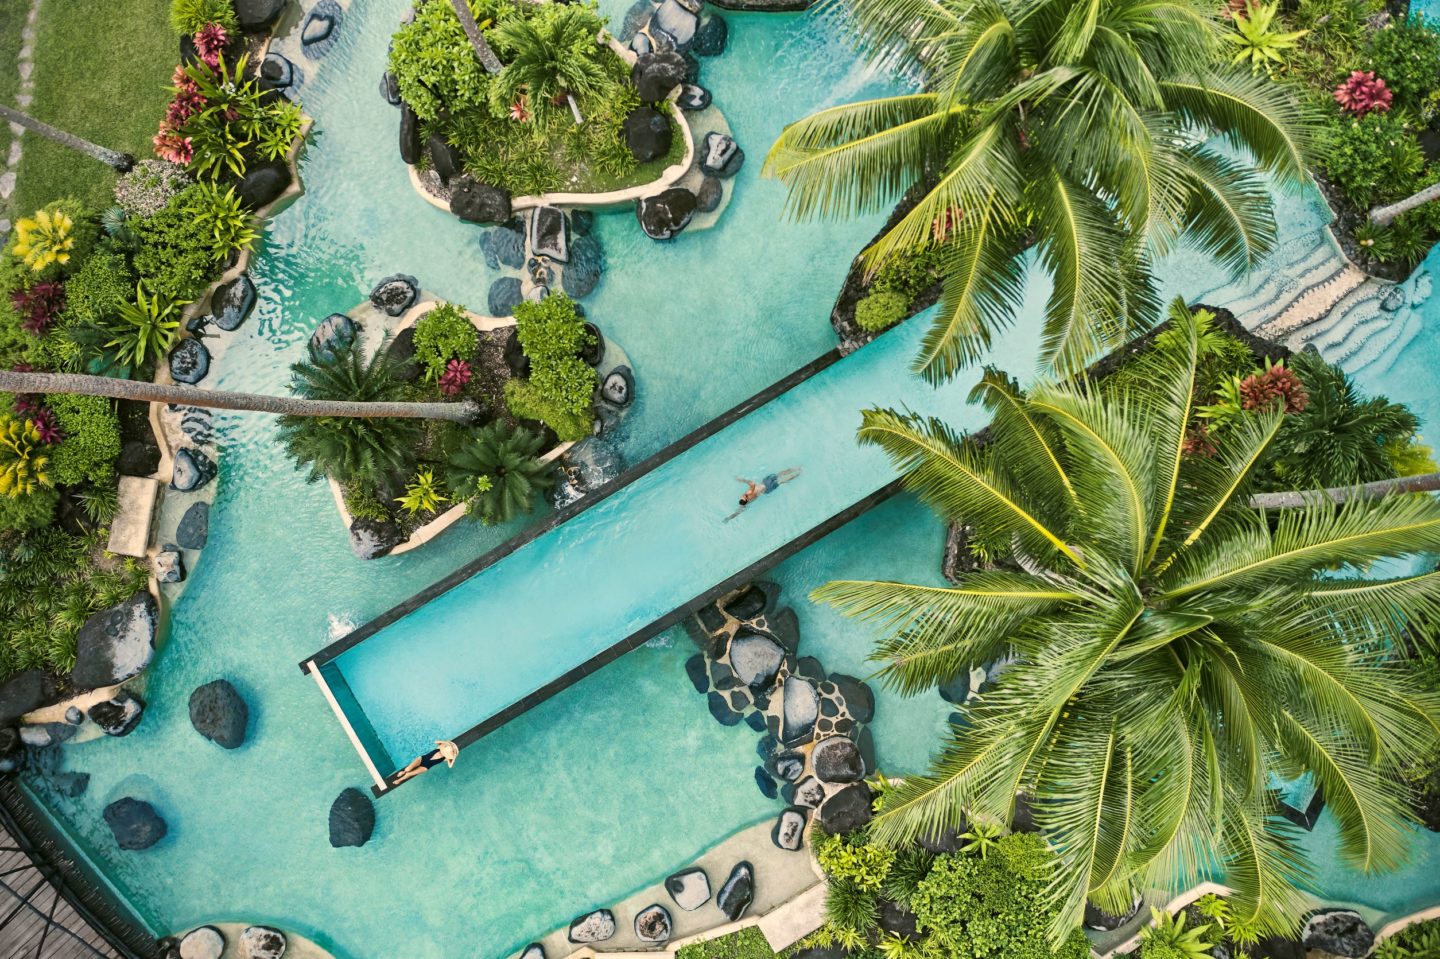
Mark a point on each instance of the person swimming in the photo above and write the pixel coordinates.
(768, 484)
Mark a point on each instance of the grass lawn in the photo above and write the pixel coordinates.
(101, 72)
(12, 21)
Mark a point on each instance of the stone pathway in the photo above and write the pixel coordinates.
(26, 65)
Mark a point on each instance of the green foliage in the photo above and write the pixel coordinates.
(236, 122)
(362, 503)
(99, 287)
(50, 583)
(1335, 37)
(747, 943)
(221, 214)
(176, 254)
(353, 450)
(851, 860)
(549, 53)
(1405, 55)
(101, 501)
(526, 402)
(975, 907)
(188, 16)
(1371, 159)
(434, 65)
(1168, 937)
(91, 439)
(24, 459)
(851, 906)
(423, 494)
(911, 865)
(880, 311)
(32, 511)
(552, 334)
(908, 275)
(143, 331)
(442, 334)
(1418, 941)
(1408, 457)
(497, 473)
(1258, 39)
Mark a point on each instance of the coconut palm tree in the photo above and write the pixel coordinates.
(13, 381)
(487, 56)
(497, 472)
(364, 451)
(1077, 127)
(553, 55)
(1174, 648)
(120, 162)
(1386, 215)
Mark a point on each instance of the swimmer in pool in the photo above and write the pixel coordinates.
(754, 490)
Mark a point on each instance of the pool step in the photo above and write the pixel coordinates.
(1382, 349)
(1304, 263)
(1353, 308)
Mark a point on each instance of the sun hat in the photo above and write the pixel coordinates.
(448, 750)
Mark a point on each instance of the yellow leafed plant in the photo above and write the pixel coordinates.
(22, 462)
(44, 239)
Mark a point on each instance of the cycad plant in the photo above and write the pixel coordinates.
(1076, 127)
(551, 52)
(1174, 648)
(497, 472)
(368, 451)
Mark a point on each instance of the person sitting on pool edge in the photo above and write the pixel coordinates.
(445, 752)
(754, 490)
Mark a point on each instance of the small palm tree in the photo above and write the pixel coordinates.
(351, 450)
(1174, 648)
(496, 471)
(553, 53)
(1075, 126)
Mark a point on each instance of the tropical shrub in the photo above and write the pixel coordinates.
(996, 906)
(551, 53)
(150, 186)
(569, 382)
(527, 402)
(34, 510)
(1158, 624)
(1168, 937)
(188, 16)
(496, 472)
(455, 378)
(362, 451)
(1363, 92)
(39, 305)
(99, 287)
(24, 457)
(46, 239)
(1259, 43)
(1371, 158)
(222, 215)
(423, 494)
(747, 943)
(142, 331)
(1418, 941)
(175, 255)
(550, 329)
(443, 334)
(219, 120)
(100, 501)
(90, 439)
(1405, 55)
(880, 311)
(362, 503)
(1335, 38)
(850, 859)
(435, 68)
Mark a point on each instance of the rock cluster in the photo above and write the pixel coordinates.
(816, 751)
(116, 643)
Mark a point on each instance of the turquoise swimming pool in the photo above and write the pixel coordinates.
(596, 792)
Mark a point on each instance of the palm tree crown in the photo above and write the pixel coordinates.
(350, 449)
(1174, 649)
(496, 472)
(1078, 125)
(552, 52)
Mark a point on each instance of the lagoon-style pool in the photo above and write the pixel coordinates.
(622, 778)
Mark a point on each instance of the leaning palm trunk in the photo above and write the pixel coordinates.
(1385, 215)
(112, 158)
(14, 382)
(1421, 483)
(487, 56)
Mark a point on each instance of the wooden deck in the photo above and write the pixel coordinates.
(35, 920)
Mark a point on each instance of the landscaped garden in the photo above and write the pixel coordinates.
(1179, 690)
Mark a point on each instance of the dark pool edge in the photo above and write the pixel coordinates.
(569, 512)
(651, 630)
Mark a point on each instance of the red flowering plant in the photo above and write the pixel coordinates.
(39, 305)
(210, 42)
(457, 374)
(1275, 387)
(47, 426)
(1363, 92)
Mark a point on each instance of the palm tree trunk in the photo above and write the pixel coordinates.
(1385, 215)
(121, 162)
(472, 30)
(15, 382)
(1423, 483)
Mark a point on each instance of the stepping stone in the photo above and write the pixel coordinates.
(690, 888)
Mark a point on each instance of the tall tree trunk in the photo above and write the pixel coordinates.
(1423, 483)
(119, 161)
(15, 382)
(1385, 215)
(472, 30)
